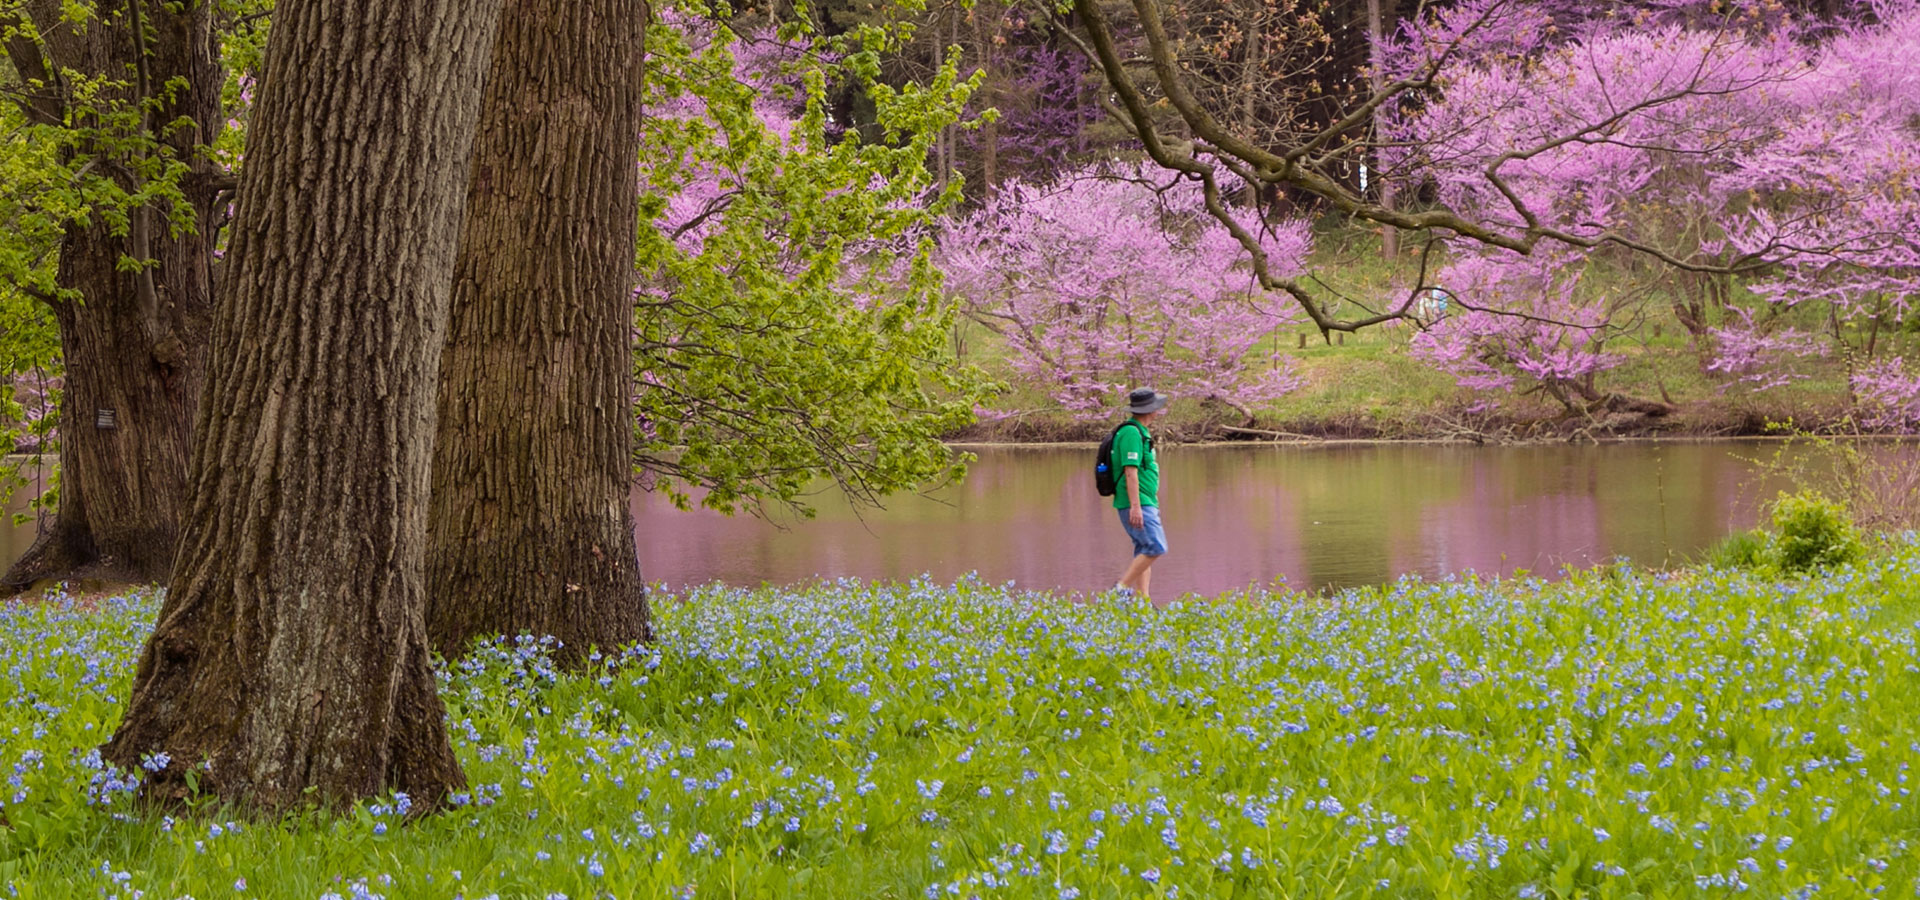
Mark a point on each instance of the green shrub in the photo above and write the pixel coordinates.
(1749, 549)
(1877, 483)
(1813, 532)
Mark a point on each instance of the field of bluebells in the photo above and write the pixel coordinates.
(1616, 734)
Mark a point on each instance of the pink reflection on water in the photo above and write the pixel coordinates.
(1242, 516)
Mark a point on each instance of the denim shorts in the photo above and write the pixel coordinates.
(1149, 539)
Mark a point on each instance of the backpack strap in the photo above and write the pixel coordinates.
(1145, 435)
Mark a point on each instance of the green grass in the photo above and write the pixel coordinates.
(1618, 734)
(1749, 549)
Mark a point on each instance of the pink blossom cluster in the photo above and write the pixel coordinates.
(1105, 280)
(1559, 344)
(1758, 357)
(1888, 394)
(697, 186)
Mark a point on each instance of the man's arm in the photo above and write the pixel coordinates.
(1134, 517)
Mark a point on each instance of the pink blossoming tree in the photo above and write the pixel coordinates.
(1748, 148)
(1708, 149)
(1101, 282)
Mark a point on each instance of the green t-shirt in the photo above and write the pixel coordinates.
(1132, 447)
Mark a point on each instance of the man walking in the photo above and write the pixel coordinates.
(1138, 496)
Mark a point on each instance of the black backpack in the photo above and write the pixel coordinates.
(1105, 478)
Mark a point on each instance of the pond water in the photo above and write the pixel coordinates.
(1237, 515)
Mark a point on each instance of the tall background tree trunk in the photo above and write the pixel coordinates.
(134, 347)
(1377, 80)
(290, 655)
(1254, 77)
(987, 21)
(942, 161)
(532, 529)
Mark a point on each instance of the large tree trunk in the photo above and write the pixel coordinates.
(532, 529)
(134, 347)
(290, 654)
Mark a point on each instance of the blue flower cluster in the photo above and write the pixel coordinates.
(1615, 733)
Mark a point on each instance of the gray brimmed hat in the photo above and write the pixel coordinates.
(1145, 400)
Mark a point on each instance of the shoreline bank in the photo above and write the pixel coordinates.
(1433, 428)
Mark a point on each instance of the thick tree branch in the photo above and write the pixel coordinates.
(1269, 167)
(46, 103)
(713, 208)
(37, 294)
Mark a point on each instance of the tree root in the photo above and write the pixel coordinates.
(58, 553)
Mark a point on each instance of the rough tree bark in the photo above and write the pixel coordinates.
(134, 346)
(532, 528)
(290, 655)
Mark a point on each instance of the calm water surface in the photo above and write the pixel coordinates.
(1238, 515)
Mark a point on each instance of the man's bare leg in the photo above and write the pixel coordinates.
(1132, 573)
(1135, 578)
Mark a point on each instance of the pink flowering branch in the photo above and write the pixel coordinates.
(1754, 356)
(1888, 395)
